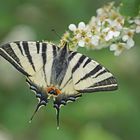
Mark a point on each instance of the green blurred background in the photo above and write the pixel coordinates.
(98, 116)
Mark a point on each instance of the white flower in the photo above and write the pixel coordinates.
(127, 33)
(81, 26)
(80, 33)
(112, 34)
(114, 23)
(128, 38)
(112, 30)
(118, 23)
(117, 48)
(105, 29)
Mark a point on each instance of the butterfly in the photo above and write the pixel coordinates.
(56, 72)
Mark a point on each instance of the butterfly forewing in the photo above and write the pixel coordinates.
(31, 58)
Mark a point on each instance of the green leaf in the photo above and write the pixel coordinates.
(130, 7)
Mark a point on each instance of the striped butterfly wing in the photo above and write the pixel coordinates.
(30, 58)
(34, 60)
(82, 75)
(90, 76)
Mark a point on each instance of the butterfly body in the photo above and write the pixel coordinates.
(57, 72)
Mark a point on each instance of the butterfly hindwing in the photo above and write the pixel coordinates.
(40, 95)
(90, 76)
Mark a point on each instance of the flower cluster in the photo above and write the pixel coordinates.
(107, 29)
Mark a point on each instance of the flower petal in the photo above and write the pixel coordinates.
(106, 29)
(109, 35)
(95, 40)
(117, 52)
(81, 26)
(130, 43)
(125, 37)
(113, 47)
(72, 27)
(116, 33)
(81, 43)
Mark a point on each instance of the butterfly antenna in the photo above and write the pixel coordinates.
(57, 117)
(66, 42)
(37, 108)
(53, 30)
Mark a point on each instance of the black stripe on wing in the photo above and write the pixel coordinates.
(87, 62)
(11, 57)
(67, 82)
(109, 81)
(91, 73)
(38, 46)
(72, 54)
(19, 46)
(44, 58)
(54, 50)
(108, 84)
(8, 49)
(27, 52)
(98, 89)
(78, 64)
(102, 72)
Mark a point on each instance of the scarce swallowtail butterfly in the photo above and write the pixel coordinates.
(56, 72)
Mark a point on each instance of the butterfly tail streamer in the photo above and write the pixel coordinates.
(58, 117)
(39, 105)
(57, 107)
